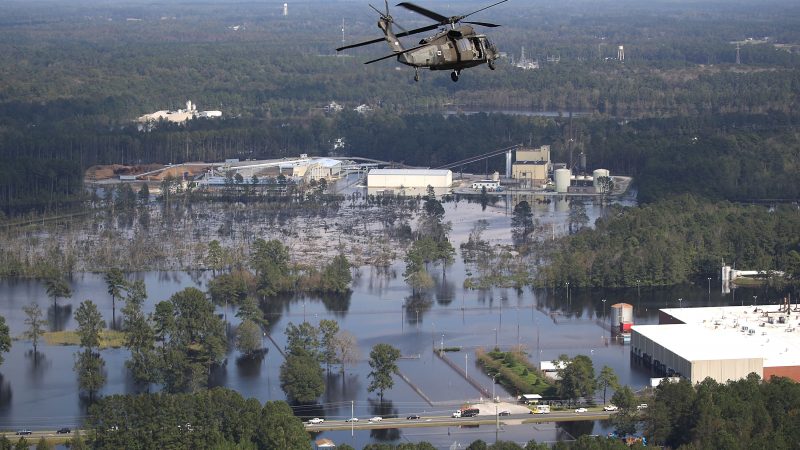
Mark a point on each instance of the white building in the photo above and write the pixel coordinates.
(409, 178)
(490, 185)
(724, 343)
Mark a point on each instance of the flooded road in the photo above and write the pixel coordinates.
(546, 323)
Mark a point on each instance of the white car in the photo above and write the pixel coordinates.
(581, 410)
(610, 408)
(315, 421)
(642, 406)
(352, 419)
(376, 419)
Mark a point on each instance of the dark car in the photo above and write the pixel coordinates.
(23, 432)
(412, 417)
(64, 430)
(504, 413)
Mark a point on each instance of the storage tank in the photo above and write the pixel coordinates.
(562, 180)
(496, 176)
(597, 173)
(621, 313)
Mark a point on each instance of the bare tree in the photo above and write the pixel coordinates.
(346, 347)
(34, 323)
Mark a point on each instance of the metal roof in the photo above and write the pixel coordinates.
(429, 172)
(712, 333)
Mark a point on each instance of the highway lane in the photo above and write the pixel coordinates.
(50, 435)
(447, 421)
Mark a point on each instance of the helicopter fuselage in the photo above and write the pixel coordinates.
(455, 49)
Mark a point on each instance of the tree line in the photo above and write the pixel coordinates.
(674, 241)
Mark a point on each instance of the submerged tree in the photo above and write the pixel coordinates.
(89, 364)
(139, 336)
(383, 362)
(35, 324)
(56, 288)
(115, 284)
(5, 338)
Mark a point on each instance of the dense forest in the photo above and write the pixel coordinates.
(84, 71)
(675, 241)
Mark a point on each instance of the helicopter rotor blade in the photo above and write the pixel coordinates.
(479, 10)
(484, 24)
(419, 30)
(396, 54)
(382, 39)
(425, 12)
(373, 41)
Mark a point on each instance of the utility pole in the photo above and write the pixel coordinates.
(352, 414)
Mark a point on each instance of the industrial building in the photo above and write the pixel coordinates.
(532, 166)
(724, 343)
(179, 116)
(408, 178)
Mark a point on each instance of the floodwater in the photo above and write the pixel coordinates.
(43, 394)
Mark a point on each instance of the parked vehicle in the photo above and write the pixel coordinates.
(352, 419)
(610, 408)
(316, 420)
(412, 417)
(64, 430)
(24, 432)
(504, 413)
(581, 410)
(642, 406)
(376, 419)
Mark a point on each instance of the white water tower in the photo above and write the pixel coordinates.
(621, 53)
(285, 9)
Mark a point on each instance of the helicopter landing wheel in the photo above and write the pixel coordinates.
(416, 75)
(454, 75)
(491, 64)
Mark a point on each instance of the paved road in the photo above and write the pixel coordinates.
(36, 435)
(446, 421)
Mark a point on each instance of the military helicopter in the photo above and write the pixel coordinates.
(455, 47)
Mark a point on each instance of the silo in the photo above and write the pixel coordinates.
(562, 180)
(621, 317)
(597, 173)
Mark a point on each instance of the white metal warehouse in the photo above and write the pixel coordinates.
(408, 178)
(724, 343)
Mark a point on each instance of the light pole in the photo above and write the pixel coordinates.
(604, 310)
(495, 337)
(638, 292)
(352, 414)
(709, 289)
(466, 355)
(754, 299)
(493, 383)
(680, 302)
(441, 347)
(567, 291)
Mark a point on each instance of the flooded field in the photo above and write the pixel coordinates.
(546, 323)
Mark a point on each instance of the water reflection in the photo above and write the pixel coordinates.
(383, 408)
(38, 365)
(250, 366)
(415, 307)
(5, 392)
(58, 316)
(338, 304)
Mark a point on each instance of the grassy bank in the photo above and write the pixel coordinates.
(108, 338)
(515, 372)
